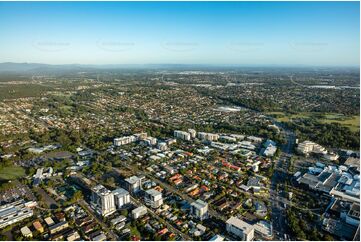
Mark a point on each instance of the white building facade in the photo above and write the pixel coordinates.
(139, 212)
(121, 197)
(207, 136)
(103, 200)
(153, 198)
(182, 135)
(199, 209)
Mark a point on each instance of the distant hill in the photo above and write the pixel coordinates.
(19, 67)
(37, 68)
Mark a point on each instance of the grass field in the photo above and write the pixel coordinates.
(66, 109)
(11, 172)
(351, 122)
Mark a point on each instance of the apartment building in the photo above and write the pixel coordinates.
(138, 212)
(182, 135)
(121, 197)
(103, 200)
(199, 209)
(207, 136)
(124, 140)
(153, 198)
(133, 184)
(307, 147)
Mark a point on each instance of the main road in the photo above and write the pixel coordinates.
(279, 216)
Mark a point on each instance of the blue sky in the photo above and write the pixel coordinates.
(237, 33)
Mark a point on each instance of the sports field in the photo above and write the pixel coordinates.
(351, 122)
(11, 172)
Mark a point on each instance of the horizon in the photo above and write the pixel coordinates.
(185, 64)
(305, 34)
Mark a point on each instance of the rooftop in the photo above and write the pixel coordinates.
(199, 204)
(101, 190)
(139, 209)
(355, 210)
(12, 208)
(153, 192)
(217, 237)
(246, 227)
(120, 192)
(25, 230)
(55, 226)
(132, 179)
(351, 161)
(264, 228)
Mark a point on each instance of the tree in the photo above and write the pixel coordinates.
(134, 231)
(31, 171)
(314, 235)
(66, 173)
(328, 237)
(124, 212)
(78, 195)
(3, 237)
(157, 237)
(110, 181)
(301, 235)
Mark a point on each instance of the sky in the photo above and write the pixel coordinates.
(216, 33)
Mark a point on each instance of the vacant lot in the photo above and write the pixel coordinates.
(49, 201)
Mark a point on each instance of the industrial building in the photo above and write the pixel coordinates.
(14, 212)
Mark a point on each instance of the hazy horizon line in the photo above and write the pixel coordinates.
(181, 64)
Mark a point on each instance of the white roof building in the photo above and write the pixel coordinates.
(14, 212)
(199, 209)
(103, 200)
(26, 232)
(307, 147)
(138, 212)
(264, 229)
(240, 229)
(217, 237)
(153, 198)
(182, 135)
(121, 197)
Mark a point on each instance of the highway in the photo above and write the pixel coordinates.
(296, 83)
